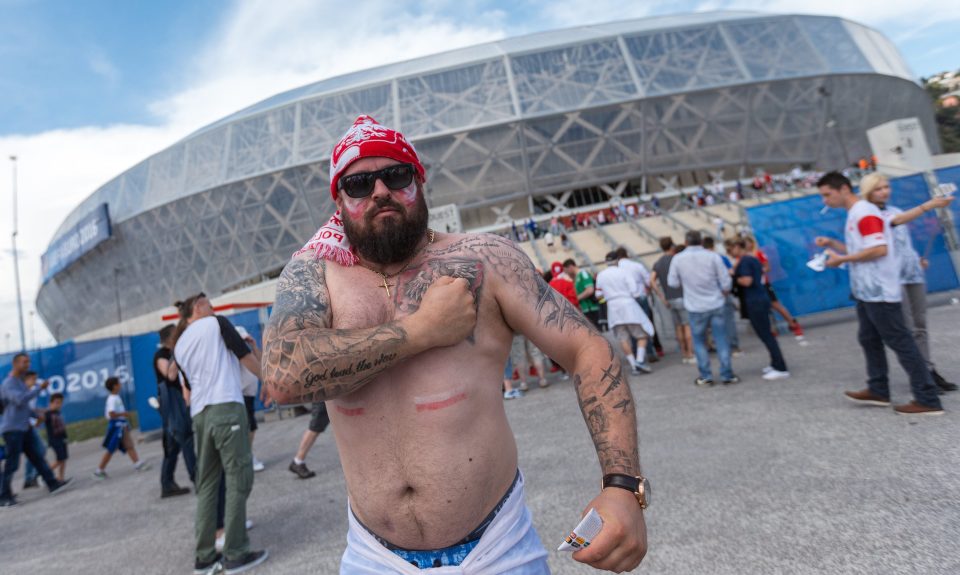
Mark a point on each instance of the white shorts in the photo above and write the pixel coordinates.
(509, 546)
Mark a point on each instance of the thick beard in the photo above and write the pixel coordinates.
(392, 241)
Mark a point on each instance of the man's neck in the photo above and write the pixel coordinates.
(849, 201)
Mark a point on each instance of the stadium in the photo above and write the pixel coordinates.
(508, 130)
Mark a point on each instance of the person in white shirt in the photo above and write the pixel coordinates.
(875, 283)
(624, 316)
(642, 276)
(118, 431)
(875, 188)
(210, 353)
(249, 385)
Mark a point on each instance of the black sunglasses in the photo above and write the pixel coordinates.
(360, 185)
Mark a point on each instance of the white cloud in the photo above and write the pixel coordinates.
(262, 48)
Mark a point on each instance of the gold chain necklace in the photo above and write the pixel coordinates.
(430, 236)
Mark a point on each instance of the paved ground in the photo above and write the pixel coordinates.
(759, 478)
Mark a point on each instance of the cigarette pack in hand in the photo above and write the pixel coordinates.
(583, 533)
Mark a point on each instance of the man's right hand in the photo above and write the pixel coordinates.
(822, 241)
(447, 313)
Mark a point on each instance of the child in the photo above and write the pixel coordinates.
(118, 434)
(57, 435)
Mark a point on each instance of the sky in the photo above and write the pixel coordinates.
(88, 89)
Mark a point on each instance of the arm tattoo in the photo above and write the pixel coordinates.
(304, 360)
(505, 260)
(607, 407)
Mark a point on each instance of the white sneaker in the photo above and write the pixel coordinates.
(767, 369)
(248, 524)
(774, 374)
(257, 465)
(142, 466)
(99, 474)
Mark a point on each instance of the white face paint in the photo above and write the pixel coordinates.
(441, 400)
(408, 195)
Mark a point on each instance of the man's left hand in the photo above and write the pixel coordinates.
(622, 542)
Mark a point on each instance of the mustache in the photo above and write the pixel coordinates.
(386, 202)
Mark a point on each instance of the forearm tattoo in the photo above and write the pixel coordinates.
(607, 407)
(304, 359)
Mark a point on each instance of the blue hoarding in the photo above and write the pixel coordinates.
(85, 235)
(785, 232)
(79, 370)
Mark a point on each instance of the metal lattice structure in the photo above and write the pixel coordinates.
(497, 124)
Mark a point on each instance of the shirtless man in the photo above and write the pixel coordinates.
(404, 333)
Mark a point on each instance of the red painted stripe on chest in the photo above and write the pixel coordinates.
(435, 405)
(348, 411)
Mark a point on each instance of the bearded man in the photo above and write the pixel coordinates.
(378, 316)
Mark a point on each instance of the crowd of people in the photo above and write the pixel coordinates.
(414, 306)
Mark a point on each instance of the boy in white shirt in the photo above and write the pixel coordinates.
(118, 432)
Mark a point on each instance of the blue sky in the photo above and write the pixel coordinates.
(88, 88)
(67, 64)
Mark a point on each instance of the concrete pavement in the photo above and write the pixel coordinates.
(758, 478)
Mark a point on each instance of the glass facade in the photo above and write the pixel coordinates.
(495, 124)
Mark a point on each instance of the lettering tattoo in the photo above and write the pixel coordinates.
(304, 360)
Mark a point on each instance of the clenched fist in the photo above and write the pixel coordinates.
(447, 312)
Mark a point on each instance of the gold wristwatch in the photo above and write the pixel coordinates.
(636, 484)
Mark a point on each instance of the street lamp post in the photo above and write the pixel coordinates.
(16, 256)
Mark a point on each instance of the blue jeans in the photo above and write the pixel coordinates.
(19, 442)
(699, 320)
(178, 437)
(882, 323)
(30, 472)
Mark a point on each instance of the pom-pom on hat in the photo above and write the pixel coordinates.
(556, 268)
(366, 138)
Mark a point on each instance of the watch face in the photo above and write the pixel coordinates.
(647, 494)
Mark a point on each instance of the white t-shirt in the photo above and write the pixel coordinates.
(620, 289)
(114, 404)
(208, 353)
(248, 382)
(876, 280)
(639, 273)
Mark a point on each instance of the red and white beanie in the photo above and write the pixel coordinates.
(368, 139)
(365, 139)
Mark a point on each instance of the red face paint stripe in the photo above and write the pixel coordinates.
(349, 412)
(435, 405)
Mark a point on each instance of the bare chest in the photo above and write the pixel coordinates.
(361, 297)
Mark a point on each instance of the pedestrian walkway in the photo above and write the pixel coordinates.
(757, 478)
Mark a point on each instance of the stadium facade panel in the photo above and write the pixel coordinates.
(496, 125)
